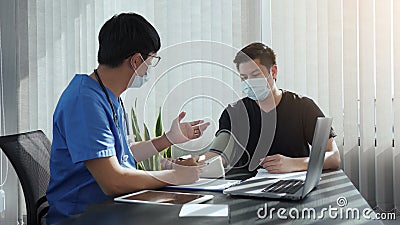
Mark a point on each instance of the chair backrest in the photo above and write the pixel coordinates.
(29, 153)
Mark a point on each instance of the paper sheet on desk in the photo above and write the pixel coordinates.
(207, 185)
(209, 210)
(213, 168)
(263, 173)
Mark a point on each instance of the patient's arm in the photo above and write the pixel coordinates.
(283, 164)
(332, 156)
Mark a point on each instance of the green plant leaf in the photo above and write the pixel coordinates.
(158, 164)
(135, 127)
(154, 162)
(140, 166)
(146, 133)
(159, 128)
(146, 164)
(169, 152)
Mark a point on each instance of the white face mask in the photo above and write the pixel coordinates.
(137, 81)
(256, 88)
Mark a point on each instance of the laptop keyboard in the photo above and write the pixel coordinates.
(284, 186)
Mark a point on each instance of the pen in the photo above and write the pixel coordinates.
(201, 158)
(184, 157)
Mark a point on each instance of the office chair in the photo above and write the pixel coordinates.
(29, 153)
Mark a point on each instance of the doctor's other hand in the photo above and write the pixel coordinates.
(280, 164)
(168, 163)
(185, 162)
(192, 161)
(181, 132)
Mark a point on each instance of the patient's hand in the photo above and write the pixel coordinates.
(282, 164)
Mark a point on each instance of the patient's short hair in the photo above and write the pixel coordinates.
(255, 51)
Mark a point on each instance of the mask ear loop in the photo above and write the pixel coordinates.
(134, 72)
(132, 65)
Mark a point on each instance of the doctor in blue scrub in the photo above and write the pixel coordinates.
(91, 159)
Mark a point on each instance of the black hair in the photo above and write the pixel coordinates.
(254, 51)
(125, 35)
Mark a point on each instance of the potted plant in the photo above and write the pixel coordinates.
(152, 163)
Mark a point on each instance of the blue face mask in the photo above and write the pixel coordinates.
(256, 88)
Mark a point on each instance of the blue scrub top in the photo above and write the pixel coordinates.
(83, 129)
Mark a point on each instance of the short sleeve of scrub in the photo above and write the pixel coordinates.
(88, 133)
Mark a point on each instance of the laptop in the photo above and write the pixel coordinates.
(293, 189)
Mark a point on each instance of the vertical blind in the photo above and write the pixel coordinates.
(396, 99)
(345, 54)
(342, 53)
(63, 41)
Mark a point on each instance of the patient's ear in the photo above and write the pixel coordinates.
(274, 71)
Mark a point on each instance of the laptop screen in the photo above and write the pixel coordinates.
(317, 155)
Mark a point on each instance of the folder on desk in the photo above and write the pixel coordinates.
(205, 184)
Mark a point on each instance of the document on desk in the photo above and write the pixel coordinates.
(208, 210)
(206, 184)
(213, 168)
(263, 173)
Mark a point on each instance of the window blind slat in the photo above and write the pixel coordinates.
(99, 19)
(91, 36)
(396, 102)
(299, 46)
(266, 30)
(58, 57)
(33, 66)
(367, 109)
(82, 28)
(41, 65)
(217, 72)
(151, 100)
(22, 60)
(350, 159)
(323, 72)
(162, 27)
(384, 112)
(278, 31)
(69, 30)
(49, 60)
(335, 69)
(64, 48)
(311, 50)
(288, 37)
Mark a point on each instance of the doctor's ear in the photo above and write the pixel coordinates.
(135, 61)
